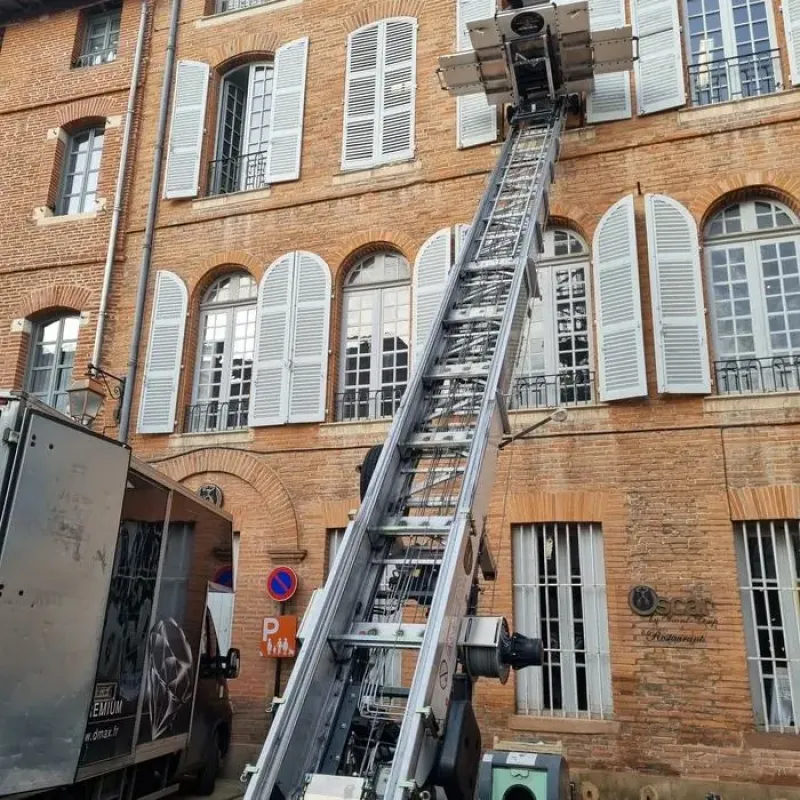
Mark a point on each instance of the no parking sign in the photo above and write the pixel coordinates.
(281, 584)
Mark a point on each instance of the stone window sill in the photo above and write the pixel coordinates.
(772, 741)
(520, 722)
(382, 172)
(237, 14)
(750, 402)
(211, 438)
(767, 102)
(45, 216)
(230, 199)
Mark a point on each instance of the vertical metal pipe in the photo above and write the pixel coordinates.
(120, 188)
(149, 233)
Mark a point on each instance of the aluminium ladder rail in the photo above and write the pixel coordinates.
(402, 578)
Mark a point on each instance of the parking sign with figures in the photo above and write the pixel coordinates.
(279, 637)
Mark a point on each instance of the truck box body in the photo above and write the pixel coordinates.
(104, 574)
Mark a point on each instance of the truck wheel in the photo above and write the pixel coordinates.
(368, 467)
(207, 777)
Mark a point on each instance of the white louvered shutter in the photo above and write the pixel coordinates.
(618, 304)
(430, 275)
(611, 98)
(311, 321)
(186, 131)
(476, 117)
(162, 369)
(791, 19)
(677, 297)
(288, 101)
(659, 69)
(269, 400)
(398, 89)
(361, 99)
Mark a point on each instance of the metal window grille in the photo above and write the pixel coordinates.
(52, 358)
(81, 171)
(768, 555)
(101, 41)
(560, 597)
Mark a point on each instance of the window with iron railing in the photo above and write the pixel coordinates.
(555, 356)
(732, 48)
(243, 131)
(752, 252)
(101, 37)
(224, 370)
(376, 334)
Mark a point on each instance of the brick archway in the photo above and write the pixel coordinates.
(75, 298)
(567, 215)
(253, 472)
(768, 183)
(382, 9)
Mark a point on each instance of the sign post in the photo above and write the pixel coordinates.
(279, 634)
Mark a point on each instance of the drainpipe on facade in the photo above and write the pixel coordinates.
(149, 231)
(120, 189)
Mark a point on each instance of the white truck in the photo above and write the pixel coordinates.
(111, 681)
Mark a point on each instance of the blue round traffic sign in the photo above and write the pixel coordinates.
(282, 584)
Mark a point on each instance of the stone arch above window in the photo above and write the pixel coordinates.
(381, 9)
(50, 298)
(237, 50)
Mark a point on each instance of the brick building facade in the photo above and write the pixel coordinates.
(295, 248)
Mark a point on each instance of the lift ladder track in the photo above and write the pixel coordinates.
(403, 576)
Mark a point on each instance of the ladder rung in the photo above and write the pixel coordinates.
(443, 372)
(433, 501)
(404, 635)
(458, 316)
(408, 562)
(446, 439)
(416, 526)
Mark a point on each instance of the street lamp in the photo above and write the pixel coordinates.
(559, 415)
(86, 395)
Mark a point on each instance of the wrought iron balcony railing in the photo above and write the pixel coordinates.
(96, 57)
(735, 78)
(240, 174)
(223, 6)
(550, 391)
(215, 416)
(757, 375)
(364, 404)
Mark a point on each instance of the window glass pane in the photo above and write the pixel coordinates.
(225, 355)
(82, 164)
(52, 360)
(377, 313)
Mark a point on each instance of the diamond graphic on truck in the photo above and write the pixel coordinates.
(170, 674)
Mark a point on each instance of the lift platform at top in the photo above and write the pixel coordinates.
(536, 52)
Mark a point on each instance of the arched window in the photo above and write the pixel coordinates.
(52, 356)
(751, 251)
(376, 334)
(225, 355)
(83, 152)
(554, 365)
(243, 130)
